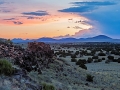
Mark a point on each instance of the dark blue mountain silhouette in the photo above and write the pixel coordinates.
(99, 38)
(46, 40)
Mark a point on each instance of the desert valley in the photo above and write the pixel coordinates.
(59, 66)
(59, 45)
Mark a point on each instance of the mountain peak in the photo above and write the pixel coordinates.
(101, 37)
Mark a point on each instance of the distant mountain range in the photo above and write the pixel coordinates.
(99, 38)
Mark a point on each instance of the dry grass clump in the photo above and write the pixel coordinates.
(6, 68)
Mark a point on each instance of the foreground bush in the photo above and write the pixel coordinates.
(48, 87)
(96, 61)
(73, 56)
(111, 57)
(102, 54)
(81, 61)
(73, 60)
(89, 60)
(118, 60)
(95, 57)
(103, 58)
(99, 60)
(83, 66)
(89, 78)
(6, 68)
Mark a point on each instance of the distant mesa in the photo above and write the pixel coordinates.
(99, 38)
(46, 40)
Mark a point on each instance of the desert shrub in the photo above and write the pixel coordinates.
(77, 52)
(103, 58)
(6, 68)
(115, 60)
(89, 78)
(107, 61)
(83, 66)
(89, 60)
(57, 53)
(93, 52)
(89, 54)
(73, 56)
(96, 60)
(101, 54)
(83, 52)
(63, 51)
(99, 60)
(110, 57)
(115, 52)
(118, 60)
(95, 57)
(73, 60)
(69, 52)
(48, 87)
(61, 56)
(81, 61)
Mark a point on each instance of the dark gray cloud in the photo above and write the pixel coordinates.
(78, 9)
(36, 13)
(94, 3)
(17, 22)
(4, 10)
(32, 17)
(10, 19)
(86, 6)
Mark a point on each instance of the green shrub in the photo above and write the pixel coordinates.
(101, 54)
(96, 60)
(103, 58)
(118, 60)
(77, 52)
(83, 66)
(99, 60)
(89, 78)
(48, 87)
(73, 56)
(107, 61)
(115, 60)
(6, 68)
(111, 57)
(73, 60)
(89, 60)
(80, 61)
(95, 57)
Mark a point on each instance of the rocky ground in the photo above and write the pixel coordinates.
(35, 57)
(60, 73)
(63, 77)
(67, 77)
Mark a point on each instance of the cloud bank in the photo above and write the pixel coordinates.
(36, 13)
(85, 33)
(81, 7)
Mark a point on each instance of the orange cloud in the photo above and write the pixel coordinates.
(43, 26)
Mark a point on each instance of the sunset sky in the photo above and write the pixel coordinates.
(31, 19)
